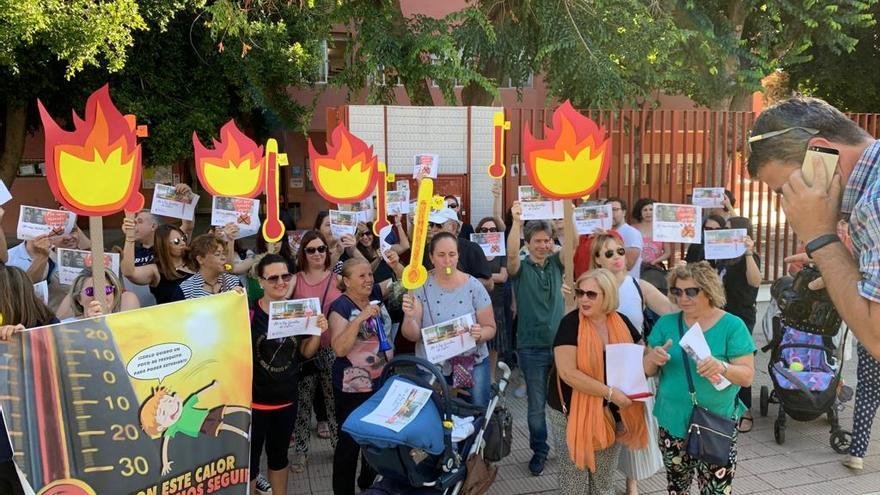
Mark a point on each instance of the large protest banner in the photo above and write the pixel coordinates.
(152, 401)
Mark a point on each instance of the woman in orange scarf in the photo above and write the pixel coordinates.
(591, 420)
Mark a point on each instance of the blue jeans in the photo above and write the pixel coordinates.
(535, 364)
(481, 392)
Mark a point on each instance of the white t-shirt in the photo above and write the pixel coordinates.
(632, 238)
(631, 302)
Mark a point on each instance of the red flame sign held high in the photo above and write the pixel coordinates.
(234, 167)
(347, 172)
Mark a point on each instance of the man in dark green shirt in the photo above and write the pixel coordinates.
(537, 285)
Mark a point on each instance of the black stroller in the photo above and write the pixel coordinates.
(805, 363)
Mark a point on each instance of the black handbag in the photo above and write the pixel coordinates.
(710, 436)
(499, 435)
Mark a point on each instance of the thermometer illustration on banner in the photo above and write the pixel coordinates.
(415, 275)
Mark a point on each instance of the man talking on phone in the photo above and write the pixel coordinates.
(778, 144)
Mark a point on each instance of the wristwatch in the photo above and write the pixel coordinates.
(820, 242)
(725, 366)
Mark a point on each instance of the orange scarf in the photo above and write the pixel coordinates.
(589, 428)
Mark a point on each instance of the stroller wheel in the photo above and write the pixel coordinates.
(765, 400)
(779, 432)
(840, 441)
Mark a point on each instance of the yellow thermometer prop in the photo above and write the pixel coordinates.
(415, 275)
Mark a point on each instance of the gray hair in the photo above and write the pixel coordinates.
(811, 113)
(149, 216)
(532, 227)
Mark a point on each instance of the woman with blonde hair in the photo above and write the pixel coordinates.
(84, 298)
(590, 420)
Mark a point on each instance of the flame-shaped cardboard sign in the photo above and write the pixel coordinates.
(347, 172)
(234, 167)
(573, 158)
(95, 170)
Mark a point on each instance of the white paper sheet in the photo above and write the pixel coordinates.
(400, 406)
(589, 218)
(537, 207)
(695, 345)
(428, 164)
(448, 339)
(363, 209)
(724, 244)
(243, 211)
(677, 223)
(34, 222)
(708, 197)
(72, 261)
(5, 195)
(492, 243)
(385, 243)
(167, 203)
(624, 370)
(343, 223)
(294, 317)
(397, 202)
(403, 187)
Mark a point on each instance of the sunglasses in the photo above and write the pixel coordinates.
(365, 234)
(486, 230)
(435, 225)
(452, 205)
(691, 292)
(768, 135)
(317, 249)
(591, 294)
(610, 253)
(90, 291)
(275, 279)
(178, 240)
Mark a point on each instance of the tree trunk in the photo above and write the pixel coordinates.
(419, 93)
(16, 130)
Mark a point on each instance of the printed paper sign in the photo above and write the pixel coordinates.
(448, 339)
(397, 202)
(385, 241)
(537, 207)
(242, 211)
(5, 195)
(343, 223)
(34, 222)
(363, 208)
(72, 261)
(294, 238)
(400, 406)
(294, 317)
(708, 197)
(694, 344)
(427, 165)
(156, 401)
(724, 244)
(677, 223)
(492, 243)
(627, 374)
(402, 186)
(41, 289)
(589, 218)
(167, 202)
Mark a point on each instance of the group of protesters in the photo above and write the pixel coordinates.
(628, 288)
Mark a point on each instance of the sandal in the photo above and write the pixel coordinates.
(323, 430)
(741, 426)
(298, 464)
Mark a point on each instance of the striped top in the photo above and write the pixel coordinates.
(194, 287)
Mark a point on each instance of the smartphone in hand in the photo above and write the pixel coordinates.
(828, 156)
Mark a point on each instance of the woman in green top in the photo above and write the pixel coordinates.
(697, 290)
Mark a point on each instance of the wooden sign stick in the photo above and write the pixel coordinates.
(568, 247)
(99, 281)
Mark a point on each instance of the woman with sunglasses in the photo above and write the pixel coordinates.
(501, 344)
(591, 420)
(448, 294)
(695, 252)
(208, 254)
(315, 279)
(85, 303)
(635, 296)
(276, 373)
(340, 249)
(697, 289)
(171, 266)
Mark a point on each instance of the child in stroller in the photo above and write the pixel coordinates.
(438, 443)
(805, 362)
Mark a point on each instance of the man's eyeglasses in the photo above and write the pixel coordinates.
(435, 225)
(768, 135)
(486, 230)
(691, 292)
(316, 249)
(90, 291)
(591, 294)
(610, 253)
(275, 279)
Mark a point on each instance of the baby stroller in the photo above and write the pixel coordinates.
(423, 457)
(805, 363)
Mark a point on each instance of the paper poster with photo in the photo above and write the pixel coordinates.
(34, 222)
(343, 223)
(72, 261)
(426, 164)
(708, 197)
(694, 344)
(403, 187)
(294, 317)
(677, 223)
(448, 339)
(294, 239)
(41, 289)
(5, 195)
(589, 218)
(386, 240)
(397, 202)
(537, 207)
(363, 208)
(167, 202)
(243, 211)
(400, 406)
(724, 244)
(492, 243)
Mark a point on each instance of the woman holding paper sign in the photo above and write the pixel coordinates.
(449, 294)
(170, 267)
(276, 368)
(591, 420)
(340, 249)
(697, 289)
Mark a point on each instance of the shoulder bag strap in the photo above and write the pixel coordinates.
(687, 360)
(428, 304)
(639, 290)
(327, 289)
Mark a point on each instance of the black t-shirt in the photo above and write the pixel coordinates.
(276, 363)
(471, 260)
(143, 255)
(167, 291)
(568, 335)
(466, 231)
(695, 253)
(741, 297)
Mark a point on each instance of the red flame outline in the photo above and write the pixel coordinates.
(247, 147)
(586, 134)
(122, 132)
(358, 150)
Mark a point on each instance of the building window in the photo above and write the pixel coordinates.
(334, 57)
(510, 83)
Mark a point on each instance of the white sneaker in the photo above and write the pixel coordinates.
(263, 486)
(854, 462)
